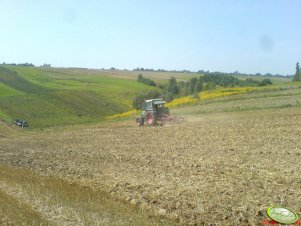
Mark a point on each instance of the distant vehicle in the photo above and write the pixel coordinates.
(21, 123)
(153, 112)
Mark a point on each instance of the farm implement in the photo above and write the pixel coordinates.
(153, 112)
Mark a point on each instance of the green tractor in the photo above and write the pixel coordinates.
(153, 112)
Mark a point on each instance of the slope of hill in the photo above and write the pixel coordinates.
(60, 96)
(5, 129)
(55, 97)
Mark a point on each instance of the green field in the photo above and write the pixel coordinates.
(57, 97)
(272, 98)
(84, 174)
(47, 97)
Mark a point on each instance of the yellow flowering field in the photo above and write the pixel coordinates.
(225, 92)
(122, 115)
(191, 100)
(181, 101)
(210, 95)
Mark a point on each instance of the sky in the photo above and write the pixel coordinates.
(249, 36)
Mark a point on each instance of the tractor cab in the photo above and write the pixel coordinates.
(153, 105)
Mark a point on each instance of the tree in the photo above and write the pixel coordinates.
(210, 86)
(173, 86)
(46, 65)
(297, 76)
(138, 100)
(192, 83)
(167, 96)
(184, 86)
(198, 86)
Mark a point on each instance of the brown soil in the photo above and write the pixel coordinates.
(224, 168)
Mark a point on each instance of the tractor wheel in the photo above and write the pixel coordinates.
(140, 121)
(151, 119)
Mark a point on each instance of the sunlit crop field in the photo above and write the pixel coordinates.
(237, 153)
(223, 168)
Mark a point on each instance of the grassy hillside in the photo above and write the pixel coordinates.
(286, 95)
(59, 96)
(55, 97)
(258, 99)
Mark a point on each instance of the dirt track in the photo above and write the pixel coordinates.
(225, 168)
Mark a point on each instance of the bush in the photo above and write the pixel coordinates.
(168, 96)
(265, 82)
(145, 81)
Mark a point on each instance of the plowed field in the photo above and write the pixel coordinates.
(222, 168)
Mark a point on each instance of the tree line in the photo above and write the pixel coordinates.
(174, 89)
(208, 72)
(20, 65)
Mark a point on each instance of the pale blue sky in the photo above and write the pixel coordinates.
(245, 35)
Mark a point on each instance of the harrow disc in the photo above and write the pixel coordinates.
(165, 118)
